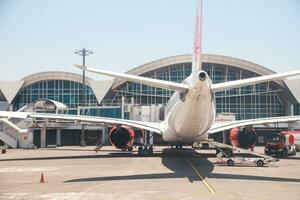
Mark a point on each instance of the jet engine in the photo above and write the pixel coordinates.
(244, 138)
(121, 137)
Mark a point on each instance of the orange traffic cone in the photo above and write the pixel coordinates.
(42, 178)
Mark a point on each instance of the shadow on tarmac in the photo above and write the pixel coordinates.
(109, 155)
(171, 158)
(290, 158)
(175, 160)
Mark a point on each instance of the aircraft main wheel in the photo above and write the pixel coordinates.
(140, 151)
(260, 163)
(130, 148)
(150, 150)
(284, 153)
(230, 162)
(145, 151)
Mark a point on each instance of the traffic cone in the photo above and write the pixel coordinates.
(42, 178)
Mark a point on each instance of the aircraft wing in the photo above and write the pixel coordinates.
(249, 81)
(222, 126)
(139, 79)
(150, 126)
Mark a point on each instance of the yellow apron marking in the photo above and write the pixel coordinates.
(211, 190)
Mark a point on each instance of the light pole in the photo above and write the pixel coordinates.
(83, 52)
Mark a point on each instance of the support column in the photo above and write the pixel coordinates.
(11, 107)
(58, 137)
(43, 137)
(82, 142)
(122, 107)
(224, 137)
(145, 138)
(131, 108)
(104, 135)
(292, 110)
(141, 139)
(151, 139)
(30, 139)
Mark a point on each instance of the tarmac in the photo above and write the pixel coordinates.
(80, 173)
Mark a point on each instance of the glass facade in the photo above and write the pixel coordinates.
(68, 92)
(297, 109)
(254, 101)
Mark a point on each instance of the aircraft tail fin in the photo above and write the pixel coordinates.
(196, 64)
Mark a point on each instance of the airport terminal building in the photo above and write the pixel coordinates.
(122, 99)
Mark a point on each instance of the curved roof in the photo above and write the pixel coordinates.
(207, 58)
(9, 89)
(51, 75)
(100, 88)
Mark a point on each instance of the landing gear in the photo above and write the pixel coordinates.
(179, 146)
(145, 151)
(130, 148)
(140, 151)
(150, 150)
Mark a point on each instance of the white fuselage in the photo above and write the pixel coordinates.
(189, 115)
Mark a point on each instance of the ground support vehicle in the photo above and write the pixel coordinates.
(226, 154)
(280, 145)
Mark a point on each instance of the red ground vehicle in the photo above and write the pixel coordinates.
(296, 135)
(281, 144)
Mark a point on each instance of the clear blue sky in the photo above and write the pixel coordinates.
(43, 35)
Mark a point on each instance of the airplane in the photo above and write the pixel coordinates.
(190, 112)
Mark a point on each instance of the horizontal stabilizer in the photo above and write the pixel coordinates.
(139, 79)
(250, 81)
